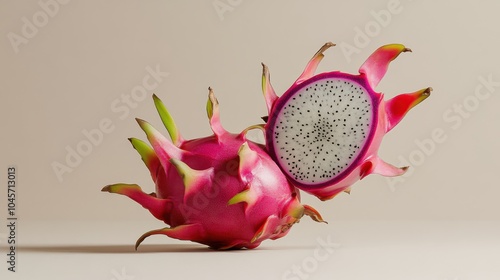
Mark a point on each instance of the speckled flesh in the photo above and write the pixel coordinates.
(324, 121)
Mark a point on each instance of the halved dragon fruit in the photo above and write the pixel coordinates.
(223, 190)
(324, 132)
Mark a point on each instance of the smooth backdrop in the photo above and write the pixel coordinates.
(86, 63)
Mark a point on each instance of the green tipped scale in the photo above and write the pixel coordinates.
(202, 197)
(168, 121)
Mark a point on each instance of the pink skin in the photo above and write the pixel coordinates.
(387, 114)
(223, 190)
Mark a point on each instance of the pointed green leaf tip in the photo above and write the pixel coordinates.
(376, 65)
(152, 134)
(168, 121)
(146, 127)
(188, 175)
(244, 196)
(213, 115)
(211, 103)
(163, 148)
(124, 189)
(145, 151)
(148, 156)
(157, 206)
(192, 179)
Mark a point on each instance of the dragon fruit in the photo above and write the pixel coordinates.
(223, 190)
(325, 130)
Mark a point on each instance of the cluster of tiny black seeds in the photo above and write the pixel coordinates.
(321, 130)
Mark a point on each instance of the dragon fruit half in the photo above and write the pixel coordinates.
(325, 130)
(223, 190)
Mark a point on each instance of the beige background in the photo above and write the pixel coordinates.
(66, 78)
(69, 73)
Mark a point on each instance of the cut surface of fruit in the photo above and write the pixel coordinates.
(325, 130)
(321, 130)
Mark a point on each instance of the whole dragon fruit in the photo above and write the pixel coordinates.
(325, 130)
(223, 190)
